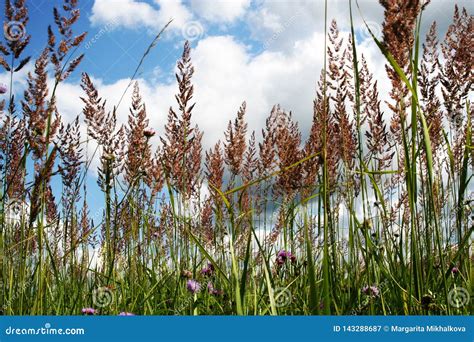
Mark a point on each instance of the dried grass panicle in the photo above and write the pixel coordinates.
(457, 78)
(398, 37)
(428, 80)
(314, 144)
(15, 11)
(339, 81)
(207, 222)
(13, 162)
(323, 125)
(267, 153)
(249, 173)
(334, 56)
(86, 235)
(98, 122)
(70, 155)
(138, 157)
(182, 143)
(155, 176)
(51, 209)
(346, 138)
(37, 109)
(235, 142)
(214, 168)
(60, 53)
(43, 175)
(288, 150)
(378, 144)
(102, 127)
(250, 165)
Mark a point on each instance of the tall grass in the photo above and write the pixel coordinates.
(369, 214)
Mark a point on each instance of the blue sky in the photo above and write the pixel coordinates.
(265, 52)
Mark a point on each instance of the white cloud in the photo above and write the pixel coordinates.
(224, 80)
(134, 14)
(19, 83)
(298, 19)
(220, 11)
(173, 9)
(284, 22)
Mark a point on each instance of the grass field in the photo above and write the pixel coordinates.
(372, 213)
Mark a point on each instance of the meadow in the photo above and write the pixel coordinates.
(371, 214)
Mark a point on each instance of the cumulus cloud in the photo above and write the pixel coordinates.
(220, 11)
(295, 20)
(133, 14)
(226, 79)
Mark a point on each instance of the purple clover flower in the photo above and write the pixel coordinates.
(455, 270)
(372, 291)
(193, 286)
(283, 256)
(208, 270)
(89, 311)
(213, 291)
(3, 88)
